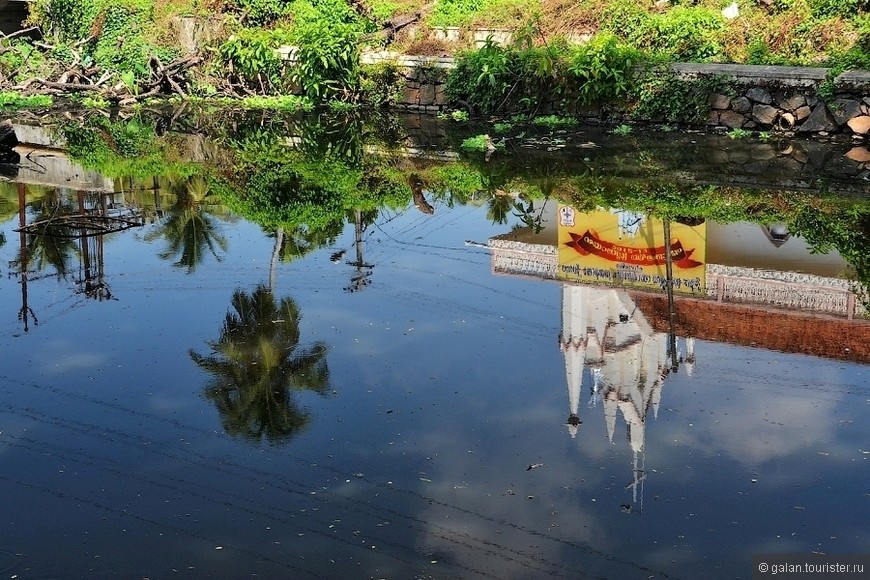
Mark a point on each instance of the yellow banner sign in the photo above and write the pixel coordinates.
(623, 248)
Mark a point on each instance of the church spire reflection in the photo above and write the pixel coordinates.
(628, 362)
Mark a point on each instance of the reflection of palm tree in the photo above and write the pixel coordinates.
(189, 229)
(257, 362)
(56, 243)
(297, 241)
(499, 208)
(54, 247)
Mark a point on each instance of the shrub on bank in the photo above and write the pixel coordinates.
(543, 69)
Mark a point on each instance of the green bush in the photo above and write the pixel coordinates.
(659, 94)
(122, 32)
(602, 68)
(16, 101)
(262, 12)
(20, 60)
(679, 34)
(327, 34)
(381, 84)
(251, 54)
(844, 8)
(484, 77)
(759, 53)
(65, 19)
(497, 79)
(455, 12)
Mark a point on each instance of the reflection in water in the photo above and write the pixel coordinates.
(777, 233)
(53, 243)
(257, 363)
(604, 330)
(363, 270)
(413, 480)
(189, 229)
(65, 226)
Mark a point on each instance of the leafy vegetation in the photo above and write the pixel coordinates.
(659, 94)
(15, 101)
(117, 35)
(124, 149)
(478, 143)
(327, 34)
(602, 68)
(252, 58)
(553, 121)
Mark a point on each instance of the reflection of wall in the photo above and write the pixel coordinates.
(744, 244)
(782, 289)
(52, 168)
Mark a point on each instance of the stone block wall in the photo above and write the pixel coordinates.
(785, 99)
(424, 78)
(763, 98)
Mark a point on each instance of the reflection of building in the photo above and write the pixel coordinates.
(628, 360)
(70, 224)
(623, 340)
(754, 304)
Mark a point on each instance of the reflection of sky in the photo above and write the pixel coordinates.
(448, 384)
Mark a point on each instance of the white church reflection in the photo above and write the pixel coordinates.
(628, 363)
(617, 340)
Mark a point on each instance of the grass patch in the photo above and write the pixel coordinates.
(15, 101)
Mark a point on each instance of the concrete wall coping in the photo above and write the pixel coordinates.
(858, 80)
(793, 76)
(407, 61)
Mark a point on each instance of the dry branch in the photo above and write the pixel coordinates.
(163, 79)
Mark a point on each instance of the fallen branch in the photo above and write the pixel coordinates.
(74, 87)
(166, 79)
(20, 32)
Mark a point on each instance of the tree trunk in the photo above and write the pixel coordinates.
(276, 253)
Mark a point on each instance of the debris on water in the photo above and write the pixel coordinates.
(426, 480)
(337, 256)
(822, 453)
(534, 466)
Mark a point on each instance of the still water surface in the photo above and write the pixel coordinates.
(407, 418)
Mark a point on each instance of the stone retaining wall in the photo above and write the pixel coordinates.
(424, 78)
(764, 98)
(778, 98)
